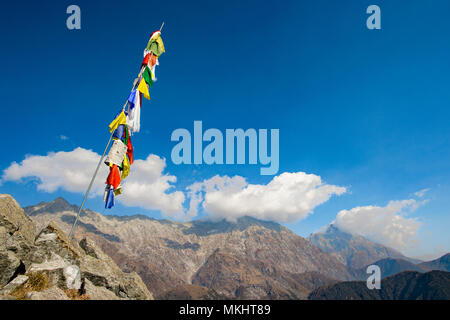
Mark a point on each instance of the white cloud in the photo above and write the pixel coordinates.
(147, 186)
(63, 137)
(387, 225)
(289, 197)
(70, 171)
(421, 193)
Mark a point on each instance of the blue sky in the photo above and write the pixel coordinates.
(364, 109)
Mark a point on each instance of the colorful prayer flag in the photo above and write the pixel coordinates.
(130, 150)
(132, 97)
(118, 133)
(120, 119)
(109, 203)
(134, 116)
(144, 89)
(148, 76)
(150, 59)
(125, 167)
(114, 176)
(120, 156)
(155, 45)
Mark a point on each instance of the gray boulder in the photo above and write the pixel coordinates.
(53, 293)
(104, 272)
(98, 293)
(13, 285)
(17, 230)
(14, 219)
(9, 263)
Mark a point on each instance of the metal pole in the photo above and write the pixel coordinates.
(103, 155)
(90, 186)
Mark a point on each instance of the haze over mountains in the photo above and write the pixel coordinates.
(353, 250)
(249, 259)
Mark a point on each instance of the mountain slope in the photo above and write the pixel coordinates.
(352, 250)
(389, 267)
(442, 263)
(408, 285)
(169, 254)
(246, 278)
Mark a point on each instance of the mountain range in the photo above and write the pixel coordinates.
(407, 285)
(246, 259)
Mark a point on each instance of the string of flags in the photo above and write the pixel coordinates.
(127, 122)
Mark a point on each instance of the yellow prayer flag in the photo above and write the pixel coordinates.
(144, 89)
(125, 167)
(120, 119)
(160, 43)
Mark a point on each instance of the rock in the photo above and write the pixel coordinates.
(72, 276)
(13, 285)
(14, 219)
(135, 288)
(103, 272)
(17, 230)
(98, 293)
(53, 293)
(4, 236)
(53, 269)
(87, 248)
(9, 263)
(52, 240)
(7, 298)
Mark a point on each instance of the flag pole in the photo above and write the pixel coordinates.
(104, 152)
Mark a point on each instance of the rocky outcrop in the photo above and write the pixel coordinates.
(50, 266)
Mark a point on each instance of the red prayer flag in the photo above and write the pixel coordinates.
(130, 151)
(147, 59)
(114, 177)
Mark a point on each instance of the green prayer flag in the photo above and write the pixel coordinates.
(147, 75)
(154, 47)
(126, 136)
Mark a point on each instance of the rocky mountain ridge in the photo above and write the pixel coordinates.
(247, 259)
(170, 255)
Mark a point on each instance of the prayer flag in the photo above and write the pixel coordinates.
(134, 116)
(155, 45)
(114, 176)
(130, 150)
(125, 167)
(148, 76)
(109, 199)
(150, 59)
(144, 89)
(120, 119)
(118, 133)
